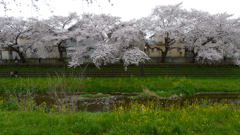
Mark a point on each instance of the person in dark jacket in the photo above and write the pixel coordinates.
(16, 73)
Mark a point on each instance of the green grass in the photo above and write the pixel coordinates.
(162, 86)
(193, 119)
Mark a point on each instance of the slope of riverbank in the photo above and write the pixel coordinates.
(164, 86)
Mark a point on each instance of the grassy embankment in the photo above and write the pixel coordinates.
(192, 119)
(162, 86)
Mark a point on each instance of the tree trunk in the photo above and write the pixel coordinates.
(164, 55)
(20, 54)
(22, 57)
(60, 50)
(194, 57)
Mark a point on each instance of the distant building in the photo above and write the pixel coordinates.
(157, 43)
(8, 55)
(87, 42)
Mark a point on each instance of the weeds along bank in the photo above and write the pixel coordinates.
(163, 86)
(206, 118)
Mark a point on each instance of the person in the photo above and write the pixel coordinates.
(16, 73)
(16, 60)
(11, 73)
(39, 59)
(81, 77)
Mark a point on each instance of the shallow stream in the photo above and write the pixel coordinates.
(124, 99)
(115, 100)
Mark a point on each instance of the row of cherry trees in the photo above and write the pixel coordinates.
(116, 40)
(21, 35)
(194, 30)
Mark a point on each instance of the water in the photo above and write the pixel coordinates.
(124, 99)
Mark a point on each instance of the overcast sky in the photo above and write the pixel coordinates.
(126, 9)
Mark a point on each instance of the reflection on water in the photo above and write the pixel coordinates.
(124, 99)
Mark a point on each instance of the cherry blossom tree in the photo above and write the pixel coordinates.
(227, 35)
(56, 32)
(116, 41)
(19, 35)
(211, 36)
(3, 23)
(93, 27)
(204, 34)
(167, 22)
(199, 33)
